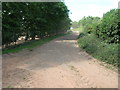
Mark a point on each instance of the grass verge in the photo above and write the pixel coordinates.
(105, 52)
(30, 45)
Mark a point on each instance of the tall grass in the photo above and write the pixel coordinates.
(99, 49)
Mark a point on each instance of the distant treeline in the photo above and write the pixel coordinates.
(106, 28)
(33, 20)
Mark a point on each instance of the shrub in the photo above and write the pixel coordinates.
(81, 35)
(110, 27)
(99, 49)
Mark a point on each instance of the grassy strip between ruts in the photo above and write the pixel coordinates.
(30, 45)
(105, 52)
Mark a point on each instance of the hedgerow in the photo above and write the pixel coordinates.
(100, 36)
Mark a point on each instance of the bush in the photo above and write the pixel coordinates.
(81, 35)
(110, 27)
(102, 36)
(99, 49)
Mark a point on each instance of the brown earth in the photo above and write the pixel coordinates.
(57, 64)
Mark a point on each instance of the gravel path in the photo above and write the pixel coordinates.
(57, 64)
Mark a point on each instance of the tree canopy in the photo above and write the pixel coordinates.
(33, 19)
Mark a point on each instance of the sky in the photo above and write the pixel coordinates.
(81, 8)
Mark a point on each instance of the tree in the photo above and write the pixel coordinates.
(110, 27)
(33, 19)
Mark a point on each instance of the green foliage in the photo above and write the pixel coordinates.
(109, 27)
(81, 35)
(89, 23)
(75, 25)
(100, 37)
(106, 28)
(99, 49)
(33, 20)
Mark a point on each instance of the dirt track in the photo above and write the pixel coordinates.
(57, 64)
